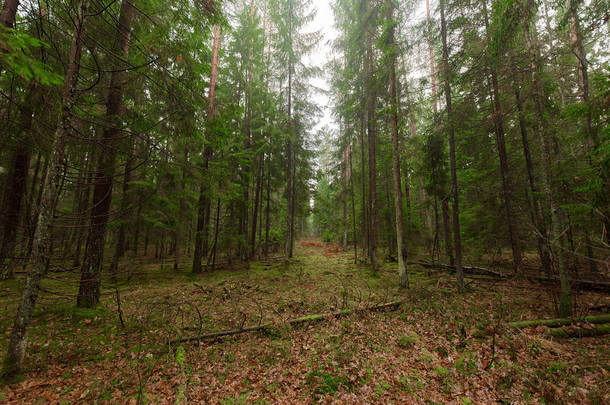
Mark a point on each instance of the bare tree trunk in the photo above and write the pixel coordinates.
(197, 251)
(537, 216)
(372, 135)
(267, 212)
(452, 159)
(583, 66)
(344, 197)
(447, 230)
(15, 187)
(119, 250)
(435, 242)
(257, 200)
(351, 178)
(431, 59)
(289, 185)
(260, 206)
(413, 129)
(398, 209)
(590, 131)
(29, 206)
(556, 226)
(390, 225)
(91, 270)
(294, 199)
(14, 192)
(9, 11)
(201, 232)
(13, 362)
(365, 222)
(216, 230)
(33, 218)
(179, 229)
(507, 190)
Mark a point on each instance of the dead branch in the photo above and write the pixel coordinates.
(292, 322)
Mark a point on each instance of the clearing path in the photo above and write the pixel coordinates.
(425, 351)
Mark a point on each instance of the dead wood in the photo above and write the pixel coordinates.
(293, 322)
(577, 332)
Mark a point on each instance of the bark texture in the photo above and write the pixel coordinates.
(452, 159)
(13, 362)
(91, 270)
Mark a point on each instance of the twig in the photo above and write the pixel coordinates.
(118, 304)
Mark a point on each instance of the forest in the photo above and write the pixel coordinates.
(304, 201)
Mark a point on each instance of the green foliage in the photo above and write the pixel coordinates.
(236, 400)
(442, 371)
(326, 383)
(19, 54)
(180, 355)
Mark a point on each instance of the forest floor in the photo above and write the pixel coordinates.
(422, 352)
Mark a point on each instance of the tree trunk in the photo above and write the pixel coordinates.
(201, 232)
(372, 137)
(33, 219)
(555, 226)
(591, 133)
(179, 230)
(365, 222)
(537, 216)
(507, 189)
(344, 194)
(216, 230)
(289, 185)
(431, 58)
(91, 270)
(15, 187)
(257, 199)
(403, 279)
(260, 207)
(452, 159)
(351, 178)
(267, 212)
(294, 199)
(119, 250)
(15, 190)
(9, 11)
(447, 230)
(13, 363)
(29, 206)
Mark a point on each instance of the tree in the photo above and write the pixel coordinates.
(203, 213)
(91, 270)
(457, 239)
(398, 206)
(13, 362)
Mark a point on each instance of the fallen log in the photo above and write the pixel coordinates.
(550, 323)
(292, 322)
(555, 323)
(601, 307)
(597, 330)
(467, 269)
(589, 285)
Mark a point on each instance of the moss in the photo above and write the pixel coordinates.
(236, 400)
(442, 371)
(407, 341)
(556, 367)
(326, 383)
(427, 357)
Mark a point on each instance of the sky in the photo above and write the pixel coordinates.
(323, 22)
